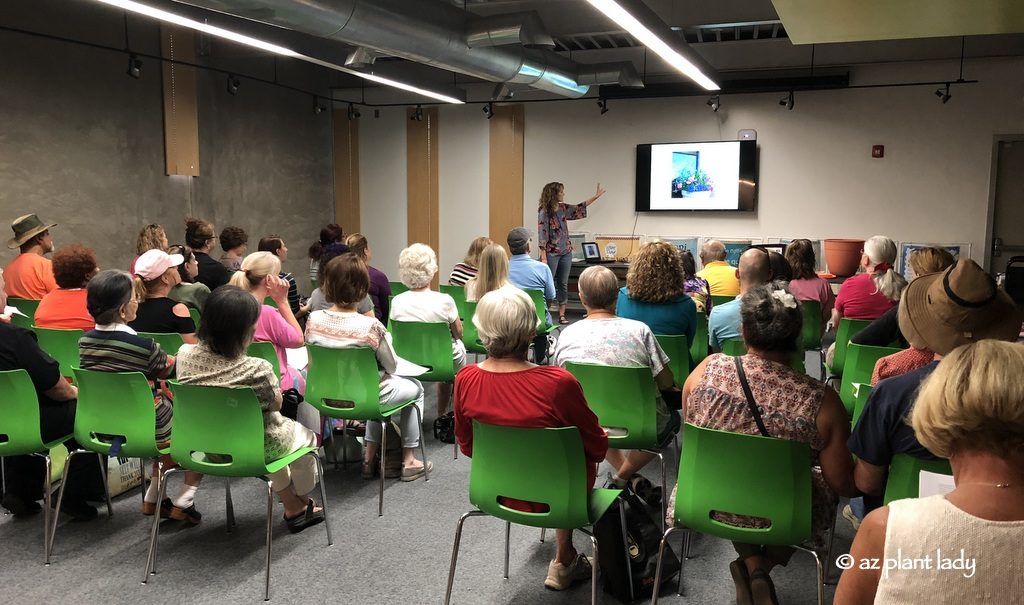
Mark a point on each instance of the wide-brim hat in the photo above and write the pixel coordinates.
(961, 305)
(25, 228)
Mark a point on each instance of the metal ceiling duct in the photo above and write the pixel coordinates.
(438, 34)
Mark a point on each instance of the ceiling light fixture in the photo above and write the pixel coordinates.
(233, 84)
(134, 66)
(944, 95)
(156, 13)
(616, 13)
(603, 104)
(714, 103)
(788, 101)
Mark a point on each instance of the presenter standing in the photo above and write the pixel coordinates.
(553, 236)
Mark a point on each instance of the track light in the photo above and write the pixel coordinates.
(233, 84)
(353, 113)
(134, 66)
(714, 103)
(787, 101)
(944, 94)
(603, 104)
(417, 116)
(318, 107)
(489, 110)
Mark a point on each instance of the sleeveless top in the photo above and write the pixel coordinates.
(970, 560)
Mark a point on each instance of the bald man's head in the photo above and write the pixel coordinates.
(755, 269)
(712, 250)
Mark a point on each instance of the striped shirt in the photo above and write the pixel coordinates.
(461, 274)
(293, 292)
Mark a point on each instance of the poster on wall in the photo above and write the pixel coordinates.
(907, 247)
(577, 239)
(618, 247)
(682, 242)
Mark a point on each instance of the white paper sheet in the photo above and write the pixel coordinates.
(409, 369)
(297, 358)
(934, 484)
(9, 310)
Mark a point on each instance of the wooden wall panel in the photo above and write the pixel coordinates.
(506, 172)
(181, 113)
(422, 179)
(346, 171)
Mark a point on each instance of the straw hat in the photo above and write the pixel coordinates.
(25, 228)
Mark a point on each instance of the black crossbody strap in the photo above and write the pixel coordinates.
(750, 398)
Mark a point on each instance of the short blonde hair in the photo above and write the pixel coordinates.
(506, 321)
(476, 247)
(417, 265)
(974, 400)
(255, 268)
(599, 288)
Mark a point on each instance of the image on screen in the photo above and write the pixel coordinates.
(718, 175)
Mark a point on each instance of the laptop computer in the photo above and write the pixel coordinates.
(592, 254)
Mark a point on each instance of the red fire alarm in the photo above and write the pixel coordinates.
(878, 151)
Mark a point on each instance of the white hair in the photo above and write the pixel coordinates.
(506, 320)
(881, 249)
(417, 265)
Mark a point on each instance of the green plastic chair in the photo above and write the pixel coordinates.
(62, 345)
(470, 335)
(534, 465)
(345, 383)
(169, 342)
(20, 434)
(397, 288)
(625, 402)
(196, 316)
(458, 293)
(428, 344)
(861, 392)
(200, 415)
(810, 334)
(699, 347)
(718, 299)
(678, 350)
(265, 350)
(542, 318)
(270, 301)
(716, 473)
(28, 307)
(737, 348)
(844, 332)
(860, 363)
(904, 472)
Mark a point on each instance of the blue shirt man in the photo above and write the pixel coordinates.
(724, 323)
(526, 273)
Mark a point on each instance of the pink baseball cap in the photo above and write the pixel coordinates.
(154, 263)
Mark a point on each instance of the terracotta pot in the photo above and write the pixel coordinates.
(843, 256)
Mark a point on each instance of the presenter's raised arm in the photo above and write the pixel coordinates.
(600, 191)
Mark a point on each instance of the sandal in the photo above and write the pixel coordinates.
(562, 320)
(309, 518)
(149, 508)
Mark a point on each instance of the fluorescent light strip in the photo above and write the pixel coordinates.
(616, 13)
(163, 15)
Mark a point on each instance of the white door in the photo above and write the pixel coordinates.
(1008, 217)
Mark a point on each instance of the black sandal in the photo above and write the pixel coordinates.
(308, 518)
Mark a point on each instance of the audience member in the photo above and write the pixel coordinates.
(30, 274)
(780, 267)
(869, 294)
(23, 484)
(417, 266)
(342, 327)
(229, 322)
(274, 244)
(805, 284)
(317, 300)
(654, 292)
(725, 319)
(234, 241)
(553, 236)
(380, 287)
(719, 274)
(64, 308)
(189, 292)
(528, 274)
(467, 269)
(602, 338)
(507, 390)
(492, 274)
(969, 410)
(115, 347)
(330, 234)
(790, 405)
(199, 236)
(151, 237)
(156, 272)
(695, 287)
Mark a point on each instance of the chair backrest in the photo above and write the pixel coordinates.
(535, 465)
(541, 306)
(624, 399)
(169, 342)
(19, 422)
(861, 392)
(745, 475)
(195, 315)
(718, 299)
(270, 301)
(904, 475)
(265, 350)
(343, 383)
(62, 345)
(734, 347)
(222, 421)
(860, 363)
(678, 350)
(458, 293)
(397, 288)
(810, 334)
(28, 307)
(428, 344)
(699, 346)
(844, 332)
(470, 335)
(115, 404)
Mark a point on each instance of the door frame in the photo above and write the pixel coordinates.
(993, 174)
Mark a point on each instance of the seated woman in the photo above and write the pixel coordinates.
(156, 272)
(199, 236)
(792, 405)
(234, 241)
(380, 287)
(654, 292)
(463, 272)
(64, 308)
(260, 276)
(342, 327)
(694, 286)
(805, 284)
(507, 390)
(492, 273)
(417, 266)
(115, 347)
(968, 410)
(330, 234)
(780, 268)
(318, 300)
(151, 237)
(188, 292)
(603, 338)
(274, 244)
(229, 321)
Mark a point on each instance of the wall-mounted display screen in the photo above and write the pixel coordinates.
(696, 176)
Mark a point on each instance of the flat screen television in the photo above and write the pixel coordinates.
(719, 175)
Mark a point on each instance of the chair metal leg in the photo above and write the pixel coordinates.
(542, 530)
(142, 479)
(270, 535)
(657, 570)
(828, 552)
(106, 485)
(46, 511)
(323, 496)
(60, 498)
(664, 491)
(455, 552)
(344, 450)
(3, 478)
(508, 531)
(595, 567)
(229, 506)
(821, 572)
(625, 549)
(687, 541)
(383, 454)
(154, 536)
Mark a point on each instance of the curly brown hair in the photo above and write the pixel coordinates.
(656, 274)
(549, 198)
(152, 237)
(73, 265)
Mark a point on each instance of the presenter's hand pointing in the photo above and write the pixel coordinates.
(599, 192)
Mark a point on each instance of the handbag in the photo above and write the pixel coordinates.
(751, 404)
(444, 428)
(290, 400)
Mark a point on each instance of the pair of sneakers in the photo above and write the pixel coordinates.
(561, 576)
